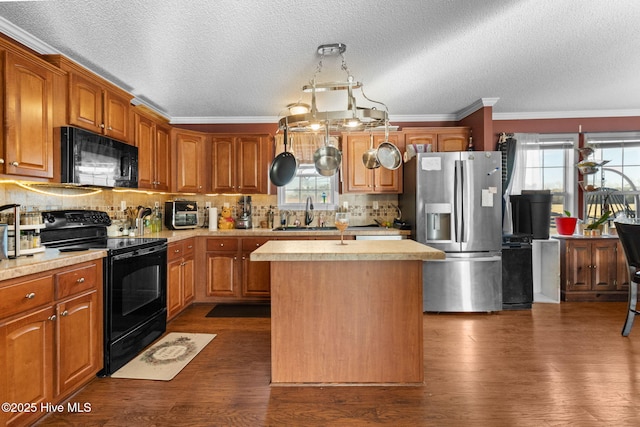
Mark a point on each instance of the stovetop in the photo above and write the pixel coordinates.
(79, 230)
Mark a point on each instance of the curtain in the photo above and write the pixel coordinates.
(523, 144)
(303, 145)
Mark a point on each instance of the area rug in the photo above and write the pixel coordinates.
(240, 310)
(166, 358)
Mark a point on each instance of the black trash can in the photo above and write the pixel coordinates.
(531, 213)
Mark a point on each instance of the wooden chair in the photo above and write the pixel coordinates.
(630, 238)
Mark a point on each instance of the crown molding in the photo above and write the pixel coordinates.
(18, 34)
(479, 104)
(422, 118)
(224, 120)
(578, 114)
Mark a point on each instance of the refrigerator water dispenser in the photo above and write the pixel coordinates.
(438, 224)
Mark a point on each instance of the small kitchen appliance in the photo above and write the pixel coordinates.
(180, 214)
(244, 213)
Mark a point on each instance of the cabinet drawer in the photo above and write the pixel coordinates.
(249, 245)
(175, 251)
(222, 245)
(24, 296)
(77, 280)
(189, 247)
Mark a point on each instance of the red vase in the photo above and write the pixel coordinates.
(566, 225)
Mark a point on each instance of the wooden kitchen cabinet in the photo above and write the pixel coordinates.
(152, 140)
(359, 179)
(180, 276)
(27, 147)
(255, 274)
(590, 269)
(188, 151)
(51, 339)
(241, 163)
(442, 139)
(93, 103)
(223, 267)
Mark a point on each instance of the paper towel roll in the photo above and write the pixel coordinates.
(213, 219)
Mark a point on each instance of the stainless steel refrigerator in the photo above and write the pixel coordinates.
(453, 202)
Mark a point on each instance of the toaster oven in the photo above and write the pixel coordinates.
(180, 214)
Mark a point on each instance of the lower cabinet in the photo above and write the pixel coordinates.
(592, 269)
(180, 276)
(50, 338)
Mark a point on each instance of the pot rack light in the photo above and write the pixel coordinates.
(303, 117)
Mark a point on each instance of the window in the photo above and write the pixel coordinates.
(616, 183)
(550, 165)
(323, 190)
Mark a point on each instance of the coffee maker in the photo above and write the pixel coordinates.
(244, 213)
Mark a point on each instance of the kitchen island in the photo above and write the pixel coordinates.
(346, 314)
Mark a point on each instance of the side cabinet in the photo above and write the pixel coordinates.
(223, 267)
(590, 269)
(180, 276)
(50, 336)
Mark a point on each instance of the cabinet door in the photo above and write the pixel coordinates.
(85, 103)
(162, 154)
(26, 361)
(452, 142)
(223, 159)
(116, 116)
(144, 138)
(251, 170)
(222, 274)
(189, 280)
(603, 265)
(579, 266)
(189, 156)
(28, 138)
(256, 275)
(79, 337)
(422, 139)
(174, 287)
(358, 179)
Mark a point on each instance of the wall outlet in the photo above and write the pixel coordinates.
(207, 205)
(375, 206)
(225, 204)
(156, 204)
(123, 205)
(345, 205)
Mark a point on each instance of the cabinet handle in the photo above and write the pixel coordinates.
(53, 317)
(1, 161)
(80, 280)
(30, 295)
(190, 246)
(102, 125)
(243, 258)
(16, 164)
(221, 244)
(64, 313)
(177, 251)
(110, 128)
(257, 245)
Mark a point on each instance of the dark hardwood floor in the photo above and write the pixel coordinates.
(554, 365)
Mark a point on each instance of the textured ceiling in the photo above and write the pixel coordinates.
(203, 61)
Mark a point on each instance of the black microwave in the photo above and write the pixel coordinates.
(96, 160)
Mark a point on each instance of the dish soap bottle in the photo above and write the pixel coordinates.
(156, 221)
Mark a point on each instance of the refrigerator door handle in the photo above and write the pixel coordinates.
(456, 214)
(458, 202)
(463, 183)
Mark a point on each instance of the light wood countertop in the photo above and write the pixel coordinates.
(47, 260)
(354, 250)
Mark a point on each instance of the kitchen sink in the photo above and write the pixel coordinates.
(305, 229)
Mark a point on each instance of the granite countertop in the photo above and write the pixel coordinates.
(354, 250)
(47, 260)
(581, 236)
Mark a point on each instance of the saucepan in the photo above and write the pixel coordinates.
(327, 159)
(284, 166)
(370, 157)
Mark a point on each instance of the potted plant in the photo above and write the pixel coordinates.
(595, 228)
(566, 225)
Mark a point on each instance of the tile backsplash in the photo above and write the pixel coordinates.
(40, 197)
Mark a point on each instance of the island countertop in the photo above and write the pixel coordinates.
(354, 250)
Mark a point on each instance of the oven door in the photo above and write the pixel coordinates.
(135, 289)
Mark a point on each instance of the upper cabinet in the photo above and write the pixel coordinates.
(26, 143)
(441, 138)
(188, 155)
(152, 139)
(93, 103)
(240, 163)
(359, 179)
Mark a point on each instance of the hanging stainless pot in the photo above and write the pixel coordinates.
(284, 166)
(370, 157)
(389, 156)
(327, 159)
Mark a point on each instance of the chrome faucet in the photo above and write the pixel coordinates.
(308, 212)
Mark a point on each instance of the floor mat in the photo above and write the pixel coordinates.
(240, 310)
(166, 358)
